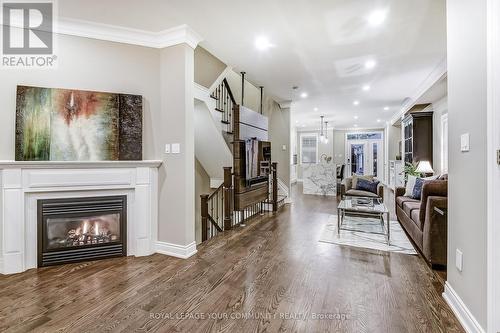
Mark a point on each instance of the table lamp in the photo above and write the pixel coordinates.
(424, 167)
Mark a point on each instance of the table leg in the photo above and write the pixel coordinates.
(338, 222)
(388, 229)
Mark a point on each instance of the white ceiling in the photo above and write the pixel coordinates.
(320, 46)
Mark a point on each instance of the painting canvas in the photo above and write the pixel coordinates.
(74, 125)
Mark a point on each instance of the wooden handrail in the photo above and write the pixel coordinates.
(230, 93)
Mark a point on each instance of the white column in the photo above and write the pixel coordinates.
(12, 222)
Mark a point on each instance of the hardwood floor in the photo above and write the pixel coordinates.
(274, 269)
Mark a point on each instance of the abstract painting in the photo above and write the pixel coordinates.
(75, 125)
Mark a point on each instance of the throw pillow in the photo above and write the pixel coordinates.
(355, 179)
(367, 185)
(410, 184)
(417, 189)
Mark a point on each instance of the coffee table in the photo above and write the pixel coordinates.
(364, 207)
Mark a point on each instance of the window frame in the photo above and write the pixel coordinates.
(302, 135)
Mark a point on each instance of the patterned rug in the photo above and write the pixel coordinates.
(357, 238)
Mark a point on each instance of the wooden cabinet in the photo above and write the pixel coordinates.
(417, 137)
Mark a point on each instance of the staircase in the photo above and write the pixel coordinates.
(214, 135)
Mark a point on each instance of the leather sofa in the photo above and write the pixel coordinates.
(346, 189)
(426, 226)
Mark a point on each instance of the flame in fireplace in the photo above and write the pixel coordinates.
(85, 226)
(96, 227)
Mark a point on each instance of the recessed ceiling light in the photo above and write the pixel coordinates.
(296, 121)
(369, 64)
(355, 125)
(366, 87)
(355, 103)
(377, 17)
(386, 108)
(303, 95)
(356, 117)
(303, 125)
(378, 120)
(315, 109)
(262, 43)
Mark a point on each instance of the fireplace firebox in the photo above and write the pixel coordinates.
(79, 229)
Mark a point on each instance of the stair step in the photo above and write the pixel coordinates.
(214, 97)
(225, 122)
(217, 109)
(230, 133)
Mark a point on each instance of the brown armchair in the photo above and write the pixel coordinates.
(426, 225)
(346, 188)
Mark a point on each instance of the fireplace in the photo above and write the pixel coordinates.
(78, 229)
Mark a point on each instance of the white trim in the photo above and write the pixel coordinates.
(285, 105)
(469, 323)
(444, 154)
(493, 169)
(439, 72)
(175, 250)
(78, 164)
(113, 33)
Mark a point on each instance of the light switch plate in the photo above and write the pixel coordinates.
(283, 147)
(459, 260)
(465, 142)
(167, 148)
(176, 148)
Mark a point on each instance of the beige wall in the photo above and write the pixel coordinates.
(202, 186)
(252, 93)
(279, 135)
(207, 67)
(467, 194)
(165, 80)
(176, 125)
(89, 64)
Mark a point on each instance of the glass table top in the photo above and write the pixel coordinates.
(363, 204)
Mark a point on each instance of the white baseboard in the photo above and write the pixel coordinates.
(463, 314)
(174, 250)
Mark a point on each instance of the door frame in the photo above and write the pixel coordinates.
(348, 154)
(381, 152)
(493, 169)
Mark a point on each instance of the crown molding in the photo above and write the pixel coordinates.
(113, 33)
(439, 72)
(170, 37)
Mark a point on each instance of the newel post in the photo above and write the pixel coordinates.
(275, 186)
(204, 217)
(228, 184)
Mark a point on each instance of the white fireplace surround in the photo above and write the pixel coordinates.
(23, 183)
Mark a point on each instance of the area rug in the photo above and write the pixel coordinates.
(358, 236)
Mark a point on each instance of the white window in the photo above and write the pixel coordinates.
(444, 143)
(308, 148)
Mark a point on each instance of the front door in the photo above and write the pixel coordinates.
(364, 157)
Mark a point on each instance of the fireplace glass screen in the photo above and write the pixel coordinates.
(65, 232)
(78, 229)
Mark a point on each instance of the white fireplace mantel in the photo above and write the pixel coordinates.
(22, 183)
